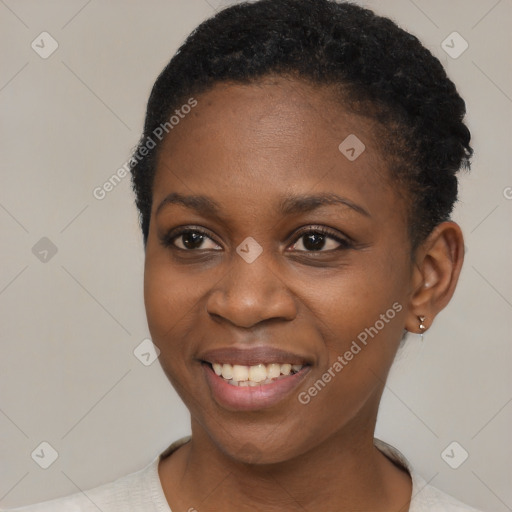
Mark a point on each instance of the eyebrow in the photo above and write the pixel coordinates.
(201, 204)
(306, 203)
(290, 205)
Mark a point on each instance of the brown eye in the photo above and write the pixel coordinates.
(319, 240)
(189, 240)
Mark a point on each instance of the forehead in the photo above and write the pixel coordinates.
(258, 140)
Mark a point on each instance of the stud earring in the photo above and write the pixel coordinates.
(422, 326)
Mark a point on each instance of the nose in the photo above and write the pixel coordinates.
(251, 293)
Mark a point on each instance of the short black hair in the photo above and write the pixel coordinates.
(382, 71)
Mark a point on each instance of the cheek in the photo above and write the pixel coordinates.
(168, 291)
(359, 351)
(346, 302)
(168, 299)
(167, 310)
(362, 323)
(174, 299)
(360, 316)
(159, 299)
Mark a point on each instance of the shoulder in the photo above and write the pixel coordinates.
(425, 497)
(140, 491)
(72, 503)
(133, 492)
(431, 499)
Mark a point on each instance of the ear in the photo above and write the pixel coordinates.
(437, 266)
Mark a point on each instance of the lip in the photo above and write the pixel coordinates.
(252, 356)
(250, 398)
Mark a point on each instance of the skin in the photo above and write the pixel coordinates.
(247, 147)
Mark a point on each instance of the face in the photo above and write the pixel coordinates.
(269, 247)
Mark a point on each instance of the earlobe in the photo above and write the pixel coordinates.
(437, 268)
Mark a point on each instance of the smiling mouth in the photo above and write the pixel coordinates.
(255, 375)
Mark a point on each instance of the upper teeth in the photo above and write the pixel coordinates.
(252, 375)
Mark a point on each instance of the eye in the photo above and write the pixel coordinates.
(189, 239)
(312, 239)
(320, 239)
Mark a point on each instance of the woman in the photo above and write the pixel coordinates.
(295, 180)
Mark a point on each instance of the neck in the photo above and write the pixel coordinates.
(343, 472)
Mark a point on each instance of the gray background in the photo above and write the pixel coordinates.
(71, 321)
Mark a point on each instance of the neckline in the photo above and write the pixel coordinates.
(392, 453)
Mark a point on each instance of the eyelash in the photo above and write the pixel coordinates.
(168, 240)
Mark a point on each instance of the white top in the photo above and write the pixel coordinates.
(142, 491)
